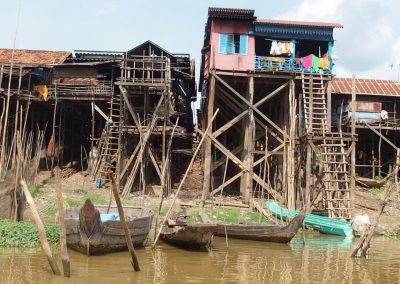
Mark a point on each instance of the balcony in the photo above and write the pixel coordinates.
(82, 90)
(287, 64)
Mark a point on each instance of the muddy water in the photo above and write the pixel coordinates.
(322, 259)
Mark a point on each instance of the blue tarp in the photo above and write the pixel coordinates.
(104, 217)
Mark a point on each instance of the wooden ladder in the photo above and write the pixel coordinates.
(111, 138)
(333, 157)
(314, 102)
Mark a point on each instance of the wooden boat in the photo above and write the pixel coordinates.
(322, 224)
(369, 182)
(259, 232)
(91, 230)
(189, 236)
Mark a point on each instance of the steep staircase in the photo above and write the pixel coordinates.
(331, 147)
(109, 144)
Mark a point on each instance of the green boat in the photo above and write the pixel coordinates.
(321, 224)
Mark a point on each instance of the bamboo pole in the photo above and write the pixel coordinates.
(184, 177)
(63, 231)
(353, 142)
(134, 260)
(363, 245)
(53, 136)
(42, 233)
(163, 172)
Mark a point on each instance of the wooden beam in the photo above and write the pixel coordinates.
(249, 104)
(353, 134)
(382, 136)
(329, 105)
(40, 227)
(184, 178)
(241, 115)
(237, 109)
(207, 144)
(128, 239)
(239, 163)
(61, 221)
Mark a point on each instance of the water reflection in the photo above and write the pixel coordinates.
(316, 259)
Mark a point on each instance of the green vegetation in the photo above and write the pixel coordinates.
(229, 215)
(51, 212)
(49, 181)
(25, 234)
(73, 202)
(378, 178)
(36, 190)
(376, 191)
(96, 198)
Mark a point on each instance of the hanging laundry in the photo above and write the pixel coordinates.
(323, 63)
(275, 48)
(307, 61)
(287, 48)
(42, 91)
(315, 63)
(291, 48)
(282, 46)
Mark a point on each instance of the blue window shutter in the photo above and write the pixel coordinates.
(230, 48)
(223, 43)
(243, 44)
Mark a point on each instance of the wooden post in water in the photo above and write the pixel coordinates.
(135, 262)
(42, 233)
(63, 231)
(185, 175)
(353, 143)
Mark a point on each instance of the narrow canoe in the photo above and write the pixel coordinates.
(259, 232)
(369, 182)
(91, 230)
(193, 237)
(322, 224)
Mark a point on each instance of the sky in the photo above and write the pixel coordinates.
(368, 46)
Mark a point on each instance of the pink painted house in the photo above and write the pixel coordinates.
(235, 40)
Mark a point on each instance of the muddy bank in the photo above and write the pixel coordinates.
(77, 187)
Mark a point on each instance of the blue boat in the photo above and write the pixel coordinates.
(318, 223)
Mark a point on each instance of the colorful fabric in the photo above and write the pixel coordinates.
(42, 91)
(323, 63)
(307, 61)
(315, 63)
(276, 48)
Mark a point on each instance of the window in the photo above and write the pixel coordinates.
(232, 43)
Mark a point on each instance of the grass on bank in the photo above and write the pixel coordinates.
(23, 234)
(229, 216)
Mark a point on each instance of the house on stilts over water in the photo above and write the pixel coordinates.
(100, 111)
(273, 137)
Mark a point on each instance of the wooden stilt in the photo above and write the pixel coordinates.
(42, 233)
(207, 145)
(353, 134)
(134, 261)
(63, 231)
(184, 177)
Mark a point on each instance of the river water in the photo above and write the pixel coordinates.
(310, 259)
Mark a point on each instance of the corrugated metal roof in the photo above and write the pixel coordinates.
(366, 87)
(33, 57)
(299, 23)
(231, 13)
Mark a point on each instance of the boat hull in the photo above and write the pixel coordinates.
(318, 223)
(108, 236)
(263, 233)
(193, 237)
